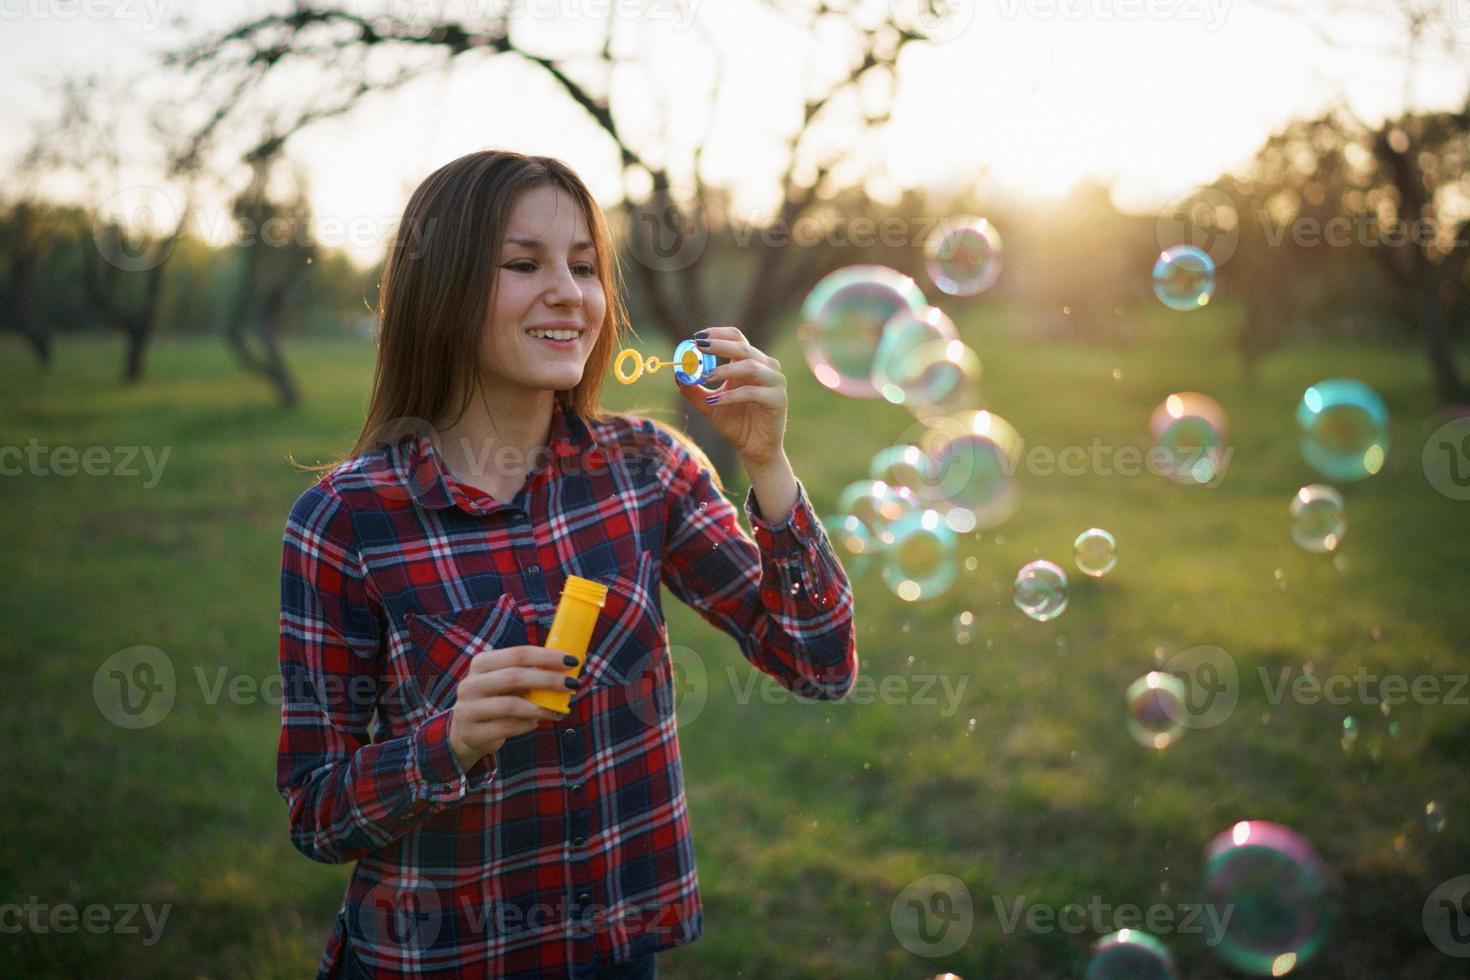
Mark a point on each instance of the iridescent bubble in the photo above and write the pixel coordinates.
(964, 627)
(1096, 552)
(975, 455)
(843, 320)
(852, 541)
(1344, 429)
(1157, 704)
(1130, 955)
(894, 373)
(1434, 816)
(1184, 277)
(919, 563)
(963, 255)
(1041, 590)
(1276, 885)
(1317, 522)
(941, 378)
(878, 505)
(901, 466)
(1189, 438)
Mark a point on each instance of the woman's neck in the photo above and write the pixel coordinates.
(498, 440)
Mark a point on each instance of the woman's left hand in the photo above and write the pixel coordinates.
(749, 409)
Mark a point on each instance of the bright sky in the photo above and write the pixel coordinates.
(1156, 95)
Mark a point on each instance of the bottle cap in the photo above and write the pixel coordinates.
(585, 589)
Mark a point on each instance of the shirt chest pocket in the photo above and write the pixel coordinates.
(629, 632)
(442, 646)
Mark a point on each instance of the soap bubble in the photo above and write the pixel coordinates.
(877, 505)
(1190, 427)
(1184, 277)
(1317, 522)
(962, 256)
(1041, 590)
(1130, 955)
(895, 373)
(1434, 816)
(852, 541)
(1157, 703)
(1344, 429)
(964, 628)
(974, 455)
(901, 466)
(919, 564)
(1096, 552)
(943, 378)
(843, 320)
(1277, 886)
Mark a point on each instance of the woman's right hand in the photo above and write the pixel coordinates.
(490, 706)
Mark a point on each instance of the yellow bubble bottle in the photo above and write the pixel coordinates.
(571, 630)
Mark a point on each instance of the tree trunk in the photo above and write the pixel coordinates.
(1434, 323)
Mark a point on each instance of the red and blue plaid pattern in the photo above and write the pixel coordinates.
(569, 848)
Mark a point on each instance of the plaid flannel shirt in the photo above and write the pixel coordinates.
(569, 848)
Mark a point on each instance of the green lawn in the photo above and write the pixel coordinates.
(809, 819)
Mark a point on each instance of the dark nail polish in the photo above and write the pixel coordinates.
(571, 683)
(698, 334)
(569, 660)
(701, 343)
(712, 399)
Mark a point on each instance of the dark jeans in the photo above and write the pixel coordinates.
(642, 968)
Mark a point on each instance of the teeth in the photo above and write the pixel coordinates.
(554, 334)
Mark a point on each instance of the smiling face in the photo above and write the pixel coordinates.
(547, 306)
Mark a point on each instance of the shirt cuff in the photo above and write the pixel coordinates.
(786, 536)
(441, 778)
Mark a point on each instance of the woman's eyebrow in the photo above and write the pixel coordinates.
(537, 245)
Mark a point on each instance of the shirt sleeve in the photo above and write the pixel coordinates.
(783, 595)
(347, 796)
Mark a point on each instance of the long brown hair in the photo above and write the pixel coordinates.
(437, 282)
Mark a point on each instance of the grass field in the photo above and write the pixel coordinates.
(809, 819)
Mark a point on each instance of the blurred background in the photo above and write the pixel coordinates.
(195, 207)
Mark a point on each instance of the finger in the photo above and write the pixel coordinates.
(513, 679)
(748, 372)
(737, 349)
(518, 656)
(510, 707)
(755, 394)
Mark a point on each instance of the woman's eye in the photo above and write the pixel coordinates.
(522, 265)
(584, 270)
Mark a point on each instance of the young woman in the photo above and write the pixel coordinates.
(494, 837)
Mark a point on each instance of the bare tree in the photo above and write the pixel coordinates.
(123, 275)
(667, 223)
(273, 265)
(1402, 170)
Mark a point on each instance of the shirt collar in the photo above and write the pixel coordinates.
(421, 466)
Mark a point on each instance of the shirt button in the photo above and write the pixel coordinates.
(576, 787)
(569, 734)
(584, 898)
(577, 841)
(533, 570)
